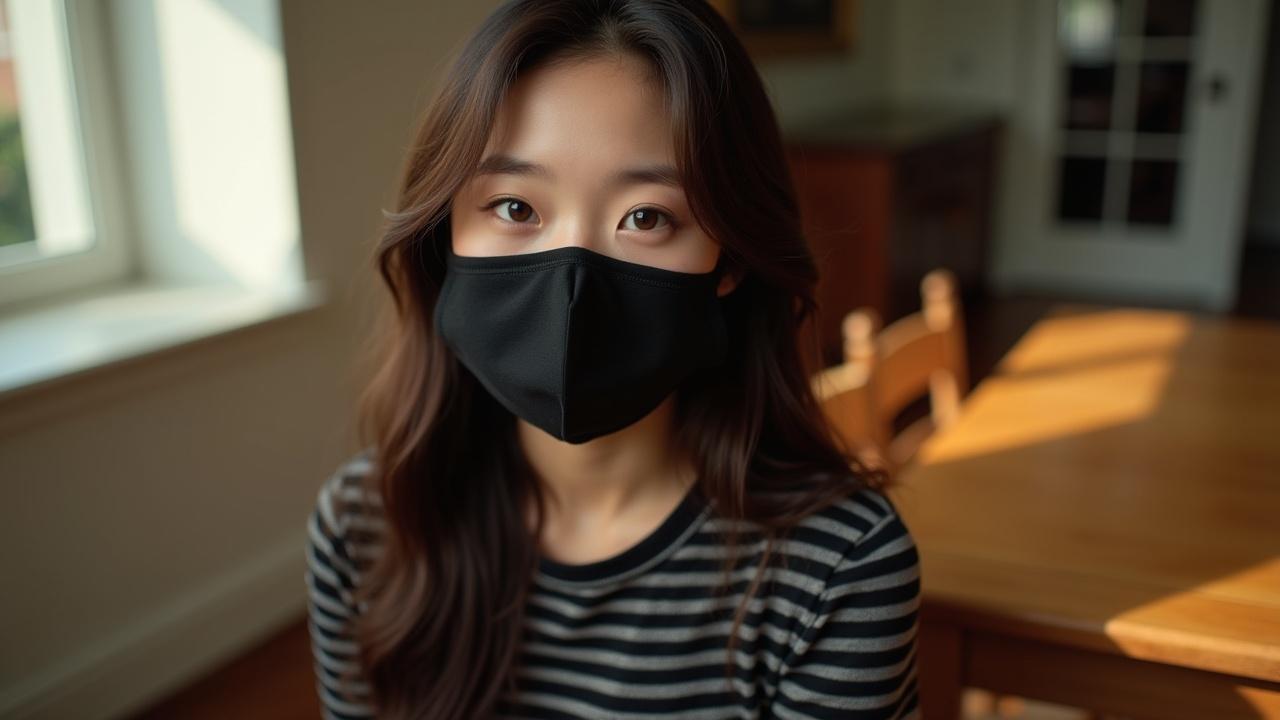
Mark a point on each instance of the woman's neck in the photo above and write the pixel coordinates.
(636, 470)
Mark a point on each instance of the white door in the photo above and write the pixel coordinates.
(1130, 148)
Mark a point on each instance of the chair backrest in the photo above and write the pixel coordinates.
(844, 391)
(885, 370)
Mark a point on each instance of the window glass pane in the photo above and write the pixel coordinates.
(1169, 18)
(1087, 29)
(1162, 91)
(17, 224)
(1082, 181)
(1089, 93)
(1152, 189)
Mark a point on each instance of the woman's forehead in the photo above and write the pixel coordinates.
(607, 108)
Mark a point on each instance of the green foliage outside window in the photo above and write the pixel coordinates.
(16, 222)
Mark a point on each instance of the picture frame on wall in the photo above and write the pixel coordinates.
(791, 27)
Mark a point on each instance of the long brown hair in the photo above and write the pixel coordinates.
(444, 603)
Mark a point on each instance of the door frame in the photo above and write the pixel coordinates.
(1198, 267)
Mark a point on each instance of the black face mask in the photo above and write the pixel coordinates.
(575, 342)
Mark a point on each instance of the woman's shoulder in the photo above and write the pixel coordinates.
(858, 516)
(861, 535)
(346, 514)
(348, 506)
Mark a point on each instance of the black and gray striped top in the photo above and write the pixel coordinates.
(641, 635)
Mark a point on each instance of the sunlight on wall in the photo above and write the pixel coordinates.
(226, 108)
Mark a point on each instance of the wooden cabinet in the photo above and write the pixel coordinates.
(887, 194)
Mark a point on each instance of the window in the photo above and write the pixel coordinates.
(1126, 69)
(17, 227)
(147, 181)
(53, 236)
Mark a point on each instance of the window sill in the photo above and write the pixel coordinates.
(43, 347)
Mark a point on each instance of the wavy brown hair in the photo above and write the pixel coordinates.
(444, 603)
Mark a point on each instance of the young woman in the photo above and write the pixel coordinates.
(595, 483)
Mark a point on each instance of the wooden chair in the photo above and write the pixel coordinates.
(885, 370)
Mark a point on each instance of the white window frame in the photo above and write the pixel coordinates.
(192, 193)
(71, 138)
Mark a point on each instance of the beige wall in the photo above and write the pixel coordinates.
(804, 87)
(962, 52)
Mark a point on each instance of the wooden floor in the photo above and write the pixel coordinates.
(275, 681)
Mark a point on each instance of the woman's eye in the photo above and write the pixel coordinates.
(518, 211)
(645, 219)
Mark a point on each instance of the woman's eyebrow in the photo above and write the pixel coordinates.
(500, 164)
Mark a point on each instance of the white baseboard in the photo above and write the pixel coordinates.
(174, 646)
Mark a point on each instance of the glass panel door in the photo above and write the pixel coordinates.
(1126, 67)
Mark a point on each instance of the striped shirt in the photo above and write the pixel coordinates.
(641, 634)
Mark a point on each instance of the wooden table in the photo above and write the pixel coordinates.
(1101, 528)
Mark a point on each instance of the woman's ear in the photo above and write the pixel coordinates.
(730, 276)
